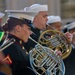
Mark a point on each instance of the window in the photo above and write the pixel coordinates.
(2, 8)
(68, 8)
(2, 5)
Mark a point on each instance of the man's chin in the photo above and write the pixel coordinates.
(26, 41)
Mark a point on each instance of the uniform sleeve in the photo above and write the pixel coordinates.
(18, 57)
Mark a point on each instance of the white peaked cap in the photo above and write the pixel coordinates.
(53, 19)
(28, 12)
(1, 15)
(71, 26)
(18, 14)
(35, 9)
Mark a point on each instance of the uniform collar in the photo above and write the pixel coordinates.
(18, 40)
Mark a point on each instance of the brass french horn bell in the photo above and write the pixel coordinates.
(57, 41)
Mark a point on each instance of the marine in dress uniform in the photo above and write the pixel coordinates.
(37, 13)
(16, 54)
(70, 60)
(54, 22)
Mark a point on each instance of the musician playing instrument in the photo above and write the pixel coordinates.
(70, 61)
(37, 13)
(16, 55)
(55, 22)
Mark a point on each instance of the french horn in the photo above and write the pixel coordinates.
(44, 61)
(56, 40)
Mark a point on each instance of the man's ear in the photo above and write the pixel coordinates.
(18, 28)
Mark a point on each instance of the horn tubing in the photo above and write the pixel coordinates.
(7, 44)
(33, 40)
(51, 26)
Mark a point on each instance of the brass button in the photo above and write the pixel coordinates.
(26, 52)
(20, 42)
(23, 47)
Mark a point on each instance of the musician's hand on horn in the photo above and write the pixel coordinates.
(58, 52)
(69, 36)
